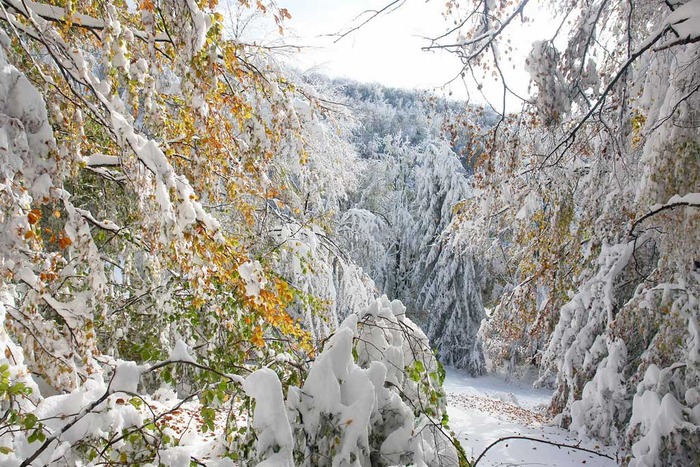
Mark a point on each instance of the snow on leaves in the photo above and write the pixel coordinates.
(361, 403)
(583, 219)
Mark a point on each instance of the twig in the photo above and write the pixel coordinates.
(374, 14)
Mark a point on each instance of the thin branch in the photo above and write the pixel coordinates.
(199, 366)
(674, 109)
(658, 210)
(536, 440)
(373, 15)
(491, 36)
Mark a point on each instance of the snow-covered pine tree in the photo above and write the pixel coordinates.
(443, 284)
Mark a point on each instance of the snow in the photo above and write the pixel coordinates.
(486, 408)
(178, 456)
(126, 377)
(102, 159)
(254, 277)
(686, 20)
(180, 353)
(690, 198)
(106, 224)
(273, 435)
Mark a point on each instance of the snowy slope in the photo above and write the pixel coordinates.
(487, 408)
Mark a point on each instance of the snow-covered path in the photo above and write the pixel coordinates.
(487, 408)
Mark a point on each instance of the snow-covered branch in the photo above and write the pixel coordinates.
(688, 200)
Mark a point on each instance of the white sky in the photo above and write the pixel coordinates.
(388, 49)
(385, 50)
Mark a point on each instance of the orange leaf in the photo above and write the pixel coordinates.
(64, 241)
(34, 216)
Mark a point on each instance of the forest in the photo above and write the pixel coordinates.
(209, 257)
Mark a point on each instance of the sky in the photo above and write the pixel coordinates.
(387, 50)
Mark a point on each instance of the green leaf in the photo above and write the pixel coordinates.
(208, 415)
(30, 421)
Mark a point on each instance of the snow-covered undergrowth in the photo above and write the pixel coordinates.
(373, 396)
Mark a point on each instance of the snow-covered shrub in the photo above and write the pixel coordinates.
(372, 397)
(626, 360)
(578, 343)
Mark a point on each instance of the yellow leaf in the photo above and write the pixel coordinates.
(257, 339)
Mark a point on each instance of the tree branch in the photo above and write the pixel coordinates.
(373, 14)
(536, 440)
(58, 14)
(681, 202)
(490, 35)
(571, 136)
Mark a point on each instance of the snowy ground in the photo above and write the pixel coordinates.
(487, 408)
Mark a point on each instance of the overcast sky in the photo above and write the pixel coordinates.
(388, 49)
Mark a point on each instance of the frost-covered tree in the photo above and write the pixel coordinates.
(374, 230)
(167, 199)
(452, 298)
(397, 232)
(442, 279)
(587, 211)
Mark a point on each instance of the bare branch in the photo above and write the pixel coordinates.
(543, 441)
(488, 36)
(373, 14)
